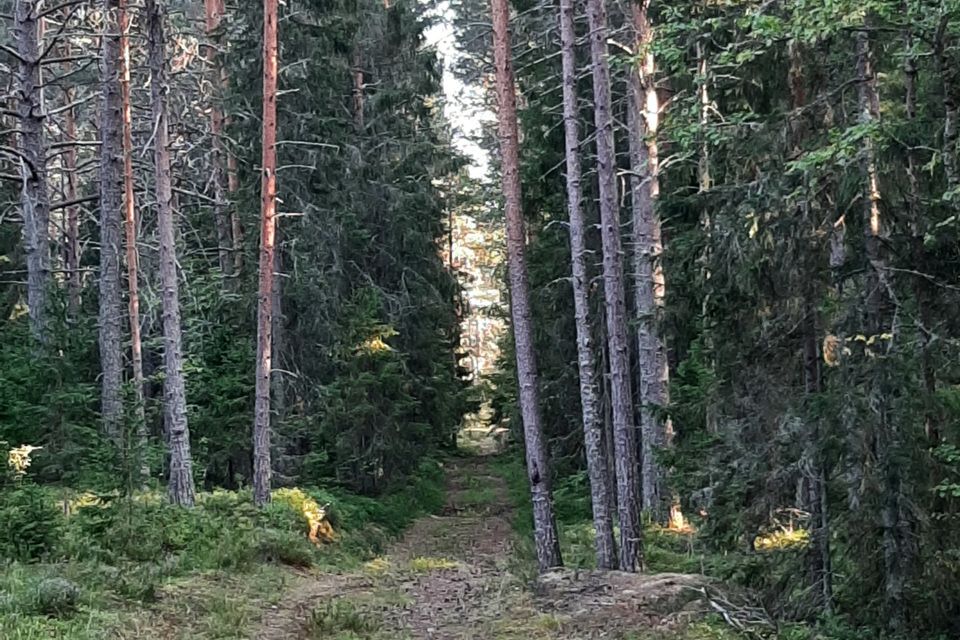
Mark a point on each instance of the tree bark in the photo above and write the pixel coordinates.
(357, 73)
(225, 243)
(704, 184)
(278, 398)
(704, 179)
(606, 549)
(656, 428)
(815, 481)
(34, 195)
(111, 204)
(885, 438)
(918, 228)
(261, 427)
(624, 428)
(180, 486)
(130, 225)
(951, 105)
(814, 475)
(72, 214)
(538, 472)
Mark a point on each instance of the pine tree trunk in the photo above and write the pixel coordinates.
(278, 398)
(111, 205)
(607, 411)
(72, 214)
(225, 245)
(704, 183)
(818, 556)
(885, 439)
(704, 179)
(180, 487)
(951, 104)
(624, 428)
(261, 427)
(357, 73)
(545, 529)
(34, 196)
(814, 475)
(918, 228)
(648, 271)
(130, 220)
(606, 549)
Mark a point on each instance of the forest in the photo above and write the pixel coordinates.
(254, 262)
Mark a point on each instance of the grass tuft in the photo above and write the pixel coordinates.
(426, 565)
(340, 619)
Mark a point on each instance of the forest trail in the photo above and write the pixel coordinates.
(448, 577)
(456, 575)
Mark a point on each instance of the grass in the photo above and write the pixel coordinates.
(475, 498)
(706, 630)
(87, 625)
(341, 620)
(538, 626)
(476, 494)
(207, 606)
(218, 606)
(426, 565)
(140, 568)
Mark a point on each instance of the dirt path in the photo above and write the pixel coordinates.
(454, 568)
(448, 577)
(453, 576)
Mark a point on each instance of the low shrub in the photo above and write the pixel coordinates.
(30, 523)
(297, 511)
(56, 597)
(286, 548)
(31, 590)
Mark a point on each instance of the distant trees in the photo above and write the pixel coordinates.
(222, 163)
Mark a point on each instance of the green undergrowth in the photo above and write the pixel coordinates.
(79, 565)
(665, 551)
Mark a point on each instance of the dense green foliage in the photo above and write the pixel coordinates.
(369, 305)
(367, 330)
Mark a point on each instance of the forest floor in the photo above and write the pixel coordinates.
(465, 572)
(460, 574)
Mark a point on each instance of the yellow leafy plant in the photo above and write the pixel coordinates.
(320, 529)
